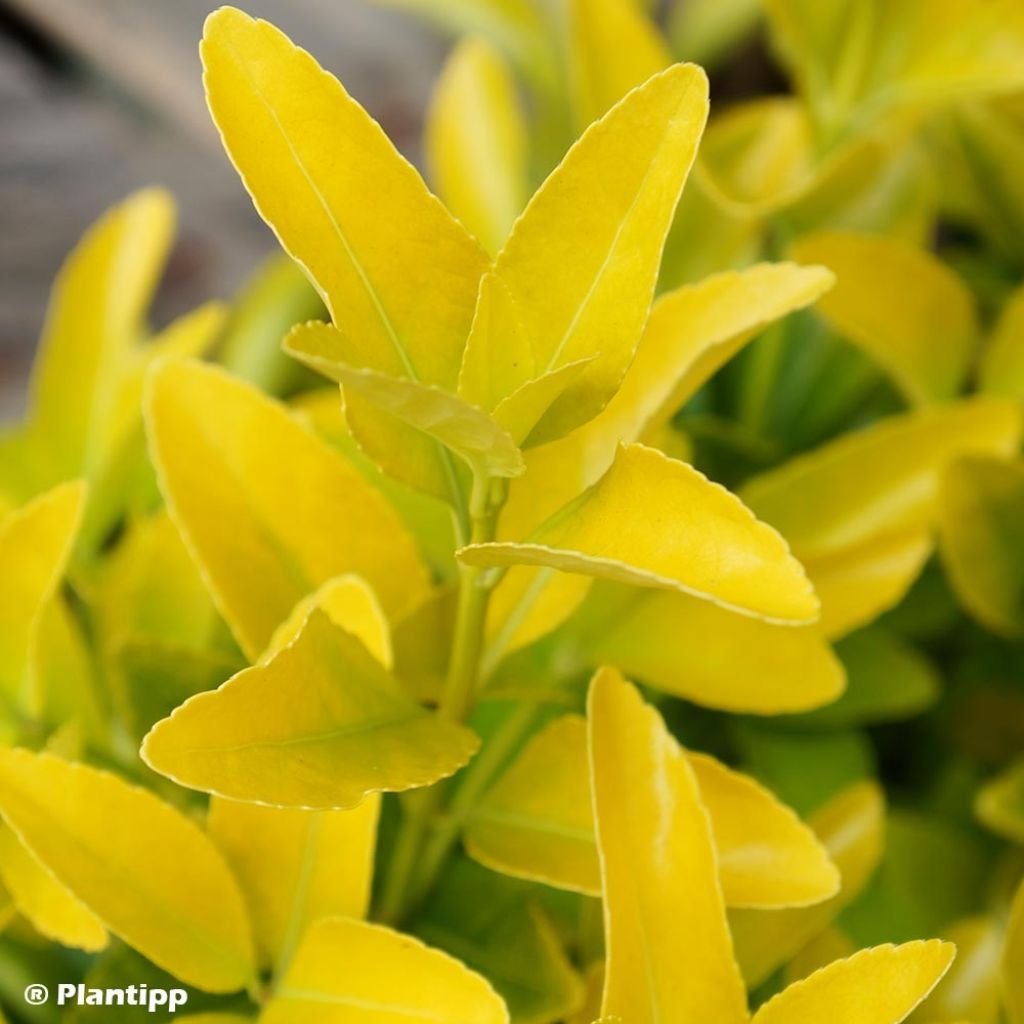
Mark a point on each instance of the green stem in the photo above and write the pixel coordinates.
(422, 807)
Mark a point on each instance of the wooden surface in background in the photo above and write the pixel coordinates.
(121, 106)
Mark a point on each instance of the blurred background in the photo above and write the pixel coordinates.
(100, 97)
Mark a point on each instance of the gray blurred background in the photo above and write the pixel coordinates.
(100, 97)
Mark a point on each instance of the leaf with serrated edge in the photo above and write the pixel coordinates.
(911, 314)
(309, 155)
(296, 867)
(476, 141)
(663, 904)
(576, 277)
(141, 866)
(691, 332)
(536, 822)
(236, 469)
(347, 969)
(461, 427)
(319, 726)
(875, 986)
(35, 544)
(655, 522)
(41, 899)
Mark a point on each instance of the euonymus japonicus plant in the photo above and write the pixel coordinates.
(373, 643)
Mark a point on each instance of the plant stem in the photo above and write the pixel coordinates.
(422, 807)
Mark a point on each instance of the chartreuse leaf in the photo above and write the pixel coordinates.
(874, 56)
(92, 327)
(495, 926)
(690, 334)
(971, 989)
(1013, 957)
(981, 533)
(309, 156)
(296, 867)
(912, 314)
(213, 1018)
(233, 465)
(613, 47)
(463, 428)
(536, 822)
(705, 542)
(741, 664)
(38, 896)
(1002, 362)
(1000, 802)
(143, 868)
(319, 726)
(349, 602)
(706, 30)
(576, 277)
(347, 971)
(476, 141)
(875, 986)
(663, 903)
(851, 827)
(35, 544)
(516, 26)
(858, 511)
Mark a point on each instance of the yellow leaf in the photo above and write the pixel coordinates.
(741, 664)
(476, 142)
(349, 602)
(866, 502)
(690, 334)
(92, 327)
(296, 867)
(346, 970)
(1013, 960)
(669, 951)
(310, 156)
(147, 588)
(536, 822)
(911, 314)
(576, 278)
(236, 471)
(981, 534)
(856, 584)
(1002, 364)
(52, 910)
(144, 869)
(461, 427)
(35, 544)
(613, 47)
(876, 986)
(655, 522)
(319, 726)
(851, 827)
